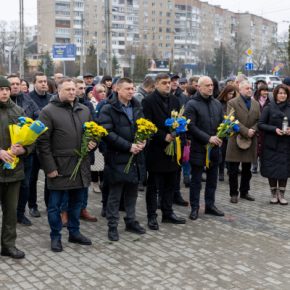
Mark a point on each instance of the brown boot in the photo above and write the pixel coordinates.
(64, 218)
(274, 192)
(87, 217)
(281, 192)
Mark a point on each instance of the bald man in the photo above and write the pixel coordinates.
(205, 113)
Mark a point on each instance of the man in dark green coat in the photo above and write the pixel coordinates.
(10, 179)
(64, 116)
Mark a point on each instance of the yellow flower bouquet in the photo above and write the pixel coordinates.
(226, 129)
(145, 130)
(25, 133)
(92, 132)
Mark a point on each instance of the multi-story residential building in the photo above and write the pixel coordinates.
(189, 30)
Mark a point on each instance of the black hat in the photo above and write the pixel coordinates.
(4, 83)
(87, 75)
(286, 81)
(183, 80)
(89, 89)
(174, 76)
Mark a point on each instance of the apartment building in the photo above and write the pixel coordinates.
(162, 29)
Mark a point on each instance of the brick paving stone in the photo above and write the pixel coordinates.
(249, 249)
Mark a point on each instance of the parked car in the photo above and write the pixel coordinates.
(271, 80)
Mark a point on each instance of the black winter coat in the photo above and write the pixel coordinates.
(29, 107)
(119, 141)
(56, 147)
(155, 110)
(205, 116)
(275, 157)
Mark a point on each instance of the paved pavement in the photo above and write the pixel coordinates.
(249, 248)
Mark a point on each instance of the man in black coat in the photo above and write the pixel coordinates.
(119, 117)
(205, 114)
(41, 97)
(161, 167)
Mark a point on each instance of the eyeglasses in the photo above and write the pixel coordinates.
(101, 92)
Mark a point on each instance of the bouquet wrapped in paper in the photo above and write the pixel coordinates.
(226, 129)
(25, 133)
(177, 124)
(91, 132)
(145, 130)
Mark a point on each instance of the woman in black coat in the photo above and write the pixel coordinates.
(275, 157)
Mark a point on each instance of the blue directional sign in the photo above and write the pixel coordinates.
(249, 66)
(64, 52)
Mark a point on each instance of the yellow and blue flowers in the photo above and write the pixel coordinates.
(226, 129)
(177, 124)
(91, 132)
(25, 133)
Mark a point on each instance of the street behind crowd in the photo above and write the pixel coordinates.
(247, 249)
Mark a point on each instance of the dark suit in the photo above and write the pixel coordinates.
(162, 168)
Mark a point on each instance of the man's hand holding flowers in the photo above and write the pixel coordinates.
(215, 140)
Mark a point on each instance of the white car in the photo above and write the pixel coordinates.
(271, 80)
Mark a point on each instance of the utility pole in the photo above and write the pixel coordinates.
(108, 36)
(222, 61)
(82, 46)
(21, 40)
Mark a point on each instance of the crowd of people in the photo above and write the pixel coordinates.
(65, 104)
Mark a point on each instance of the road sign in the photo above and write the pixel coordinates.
(64, 52)
(249, 66)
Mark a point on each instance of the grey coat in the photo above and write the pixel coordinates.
(248, 120)
(56, 147)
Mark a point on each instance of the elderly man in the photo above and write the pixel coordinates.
(64, 116)
(205, 113)
(10, 179)
(242, 148)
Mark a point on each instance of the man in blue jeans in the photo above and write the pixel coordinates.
(64, 116)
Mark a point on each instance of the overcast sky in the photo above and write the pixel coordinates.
(276, 10)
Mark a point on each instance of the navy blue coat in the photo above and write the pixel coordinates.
(119, 141)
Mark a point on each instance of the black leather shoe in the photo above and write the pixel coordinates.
(213, 210)
(56, 246)
(180, 201)
(79, 239)
(34, 212)
(194, 214)
(113, 234)
(173, 219)
(234, 199)
(13, 252)
(135, 228)
(24, 221)
(153, 224)
(247, 197)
